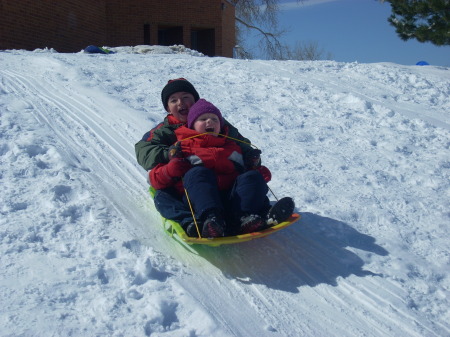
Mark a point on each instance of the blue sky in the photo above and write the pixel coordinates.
(354, 30)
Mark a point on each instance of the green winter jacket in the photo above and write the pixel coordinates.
(153, 148)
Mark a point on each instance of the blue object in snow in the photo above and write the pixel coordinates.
(422, 63)
(97, 50)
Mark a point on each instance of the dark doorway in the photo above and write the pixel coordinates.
(168, 36)
(147, 34)
(203, 40)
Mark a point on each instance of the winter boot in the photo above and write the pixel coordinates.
(191, 230)
(280, 212)
(251, 223)
(214, 225)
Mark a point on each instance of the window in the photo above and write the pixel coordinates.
(168, 36)
(203, 40)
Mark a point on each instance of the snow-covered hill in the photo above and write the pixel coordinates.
(362, 148)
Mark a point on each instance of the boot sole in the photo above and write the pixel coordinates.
(281, 211)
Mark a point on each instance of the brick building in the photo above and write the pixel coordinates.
(70, 25)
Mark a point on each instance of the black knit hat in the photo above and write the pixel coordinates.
(177, 85)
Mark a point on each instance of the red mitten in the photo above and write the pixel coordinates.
(177, 167)
(265, 172)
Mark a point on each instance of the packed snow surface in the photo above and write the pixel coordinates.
(364, 150)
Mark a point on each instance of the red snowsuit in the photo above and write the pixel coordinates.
(217, 153)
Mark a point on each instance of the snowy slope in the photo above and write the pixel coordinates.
(362, 148)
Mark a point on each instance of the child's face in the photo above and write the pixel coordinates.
(179, 104)
(207, 122)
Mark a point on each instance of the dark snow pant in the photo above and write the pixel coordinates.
(247, 196)
(171, 206)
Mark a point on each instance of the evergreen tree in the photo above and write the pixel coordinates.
(424, 20)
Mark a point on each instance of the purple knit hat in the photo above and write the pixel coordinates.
(201, 107)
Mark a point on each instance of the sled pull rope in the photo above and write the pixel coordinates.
(219, 134)
(272, 192)
(192, 212)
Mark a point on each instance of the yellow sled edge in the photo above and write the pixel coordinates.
(179, 231)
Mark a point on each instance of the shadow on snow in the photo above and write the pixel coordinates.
(313, 251)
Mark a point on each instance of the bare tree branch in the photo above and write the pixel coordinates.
(261, 16)
(271, 43)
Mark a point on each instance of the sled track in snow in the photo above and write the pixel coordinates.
(85, 123)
